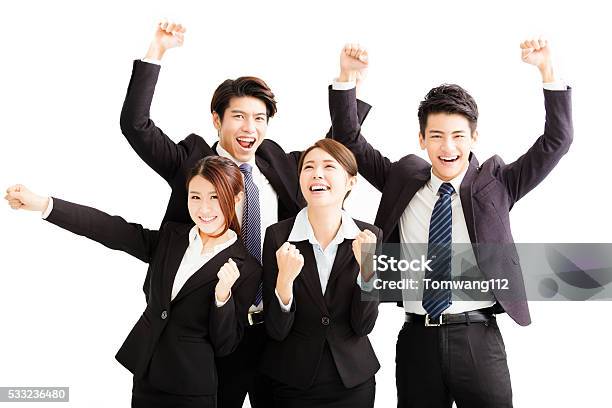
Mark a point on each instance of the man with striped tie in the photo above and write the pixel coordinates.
(451, 350)
(240, 110)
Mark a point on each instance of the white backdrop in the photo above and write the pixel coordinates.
(68, 303)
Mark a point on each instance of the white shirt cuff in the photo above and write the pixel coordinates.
(151, 61)
(221, 304)
(342, 86)
(284, 308)
(48, 210)
(559, 85)
(366, 286)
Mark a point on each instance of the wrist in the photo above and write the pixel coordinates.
(155, 51)
(44, 204)
(222, 294)
(547, 73)
(347, 76)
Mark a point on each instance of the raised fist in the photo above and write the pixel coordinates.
(20, 198)
(228, 275)
(353, 62)
(167, 35)
(364, 246)
(290, 263)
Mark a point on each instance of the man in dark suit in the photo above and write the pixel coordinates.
(240, 111)
(448, 350)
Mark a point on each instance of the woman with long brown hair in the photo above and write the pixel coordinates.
(202, 283)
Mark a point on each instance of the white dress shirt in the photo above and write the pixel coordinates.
(302, 231)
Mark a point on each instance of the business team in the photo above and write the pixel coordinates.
(299, 337)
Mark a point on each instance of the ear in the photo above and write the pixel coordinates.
(239, 197)
(474, 136)
(216, 120)
(351, 182)
(422, 141)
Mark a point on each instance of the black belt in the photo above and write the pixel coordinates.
(256, 317)
(474, 316)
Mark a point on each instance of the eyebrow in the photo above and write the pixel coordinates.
(325, 161)
(197, 192)
(245, 113)
(441, 132)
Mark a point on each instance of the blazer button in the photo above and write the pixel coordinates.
(325, 320)
(164, 315)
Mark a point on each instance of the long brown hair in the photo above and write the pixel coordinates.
(338, 151)
(226, 177)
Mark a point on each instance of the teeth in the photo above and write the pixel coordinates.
(449, 158)
(247, 139)
(319, 187)
(207, 219)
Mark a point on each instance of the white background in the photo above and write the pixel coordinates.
(68, 303)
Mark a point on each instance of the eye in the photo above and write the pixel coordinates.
(213, 197)
(307, 167)
(195, 197)
(460, 135)
(238, 116)
(260, 119)
(330, 166)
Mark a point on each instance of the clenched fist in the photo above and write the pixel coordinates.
(353, 63)
(167, 35)
(537, 52)
(20, 198)
(290, 263)
(364, 246)
(228, 275)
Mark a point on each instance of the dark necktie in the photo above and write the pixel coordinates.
(251, 220)
(439, 250)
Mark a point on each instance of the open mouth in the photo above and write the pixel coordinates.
(246, 142)
(449, 159)
(319, 187)
(207, 220)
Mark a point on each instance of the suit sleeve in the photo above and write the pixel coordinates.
(227, 322)
(278, 322)
(346, 129)
(364, 304)
(111, 231)
(150, 143)
(531, 168)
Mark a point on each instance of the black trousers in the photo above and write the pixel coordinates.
(239, 372)
(145, 396)
(327, 391)
(464, 363)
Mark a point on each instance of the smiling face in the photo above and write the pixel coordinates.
(323, 181)
(243, 127)
(204, 207)
(448, 140)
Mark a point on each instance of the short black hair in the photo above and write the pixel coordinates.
(243, 86)
(448, 98)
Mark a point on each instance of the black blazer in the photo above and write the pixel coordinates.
(172, 161)
(488, 191)
(174, 343)
(340, 318)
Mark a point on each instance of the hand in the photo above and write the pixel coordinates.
(537, 52)
(20, 198)
(167, 35)
(363, 248)
(354, 62)
(228, 275)
(290, 263)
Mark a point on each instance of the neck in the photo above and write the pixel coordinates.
(325, 223)
(209, 242)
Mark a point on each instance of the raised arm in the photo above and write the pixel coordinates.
(150, 143)
(111, 231)
(532, 167)
(346, 125)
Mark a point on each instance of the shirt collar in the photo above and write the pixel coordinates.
(302, 230)
(224, 153)
(195, 242)
(435, 182)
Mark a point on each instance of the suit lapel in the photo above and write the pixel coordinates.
(465, 193)
(310, 274)
(343, 259)
(208, 272)
(401, 201)
(179, 241)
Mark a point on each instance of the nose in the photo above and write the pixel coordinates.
(248, 125)
(448, 145)
(318, 172)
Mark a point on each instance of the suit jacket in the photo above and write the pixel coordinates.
(172, 161)
(340, 317)
(174, 343)
(488, 191)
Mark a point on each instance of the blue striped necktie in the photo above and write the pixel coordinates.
(439, 250)
(251, 220)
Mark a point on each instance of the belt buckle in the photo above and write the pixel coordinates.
(433, 324)
(250, 317)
